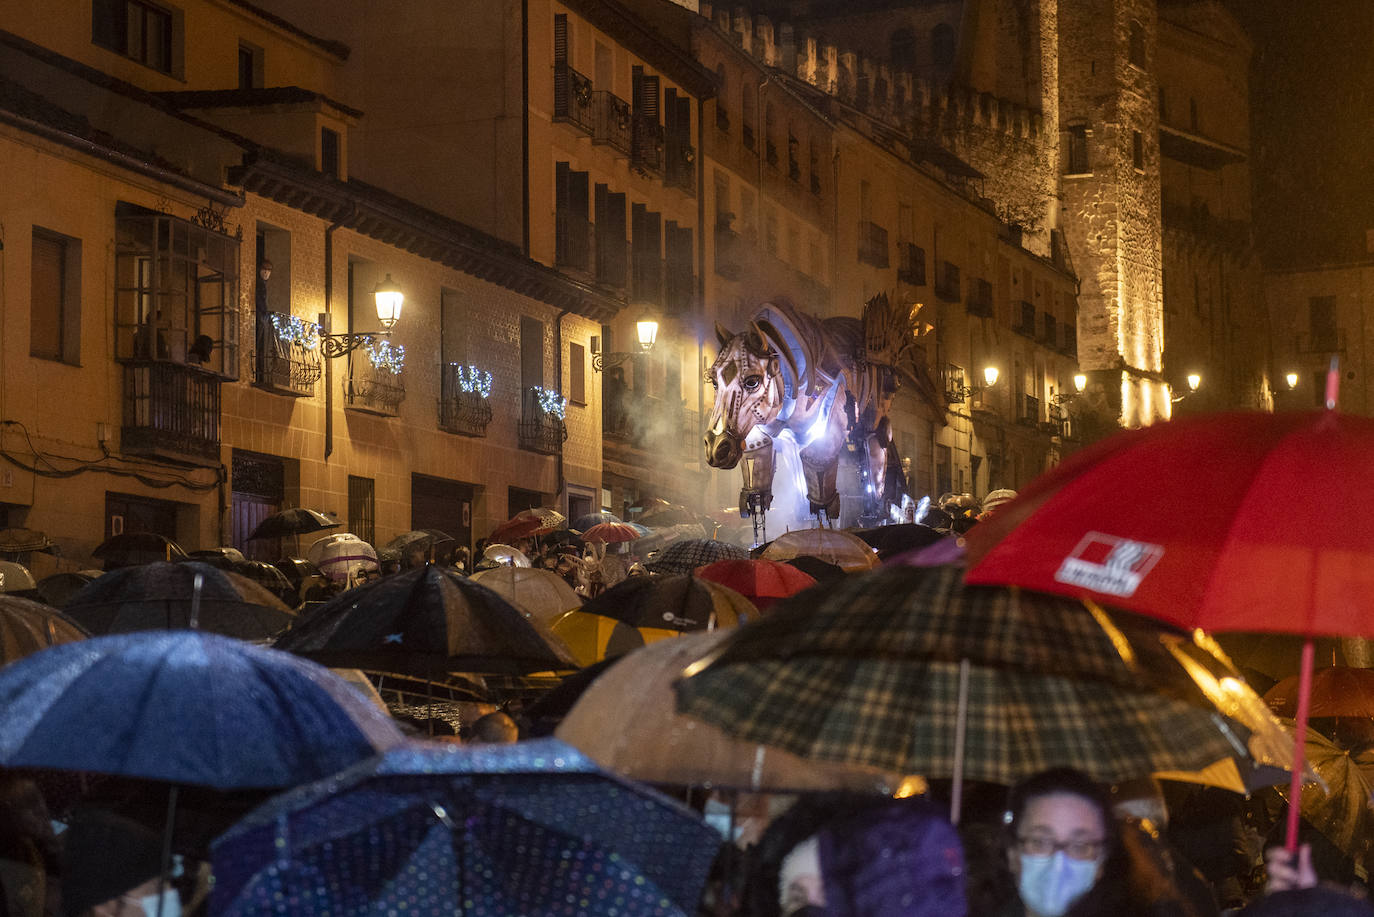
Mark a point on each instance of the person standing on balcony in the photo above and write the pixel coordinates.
(266, 342)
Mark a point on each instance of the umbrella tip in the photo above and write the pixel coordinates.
(1333, 382)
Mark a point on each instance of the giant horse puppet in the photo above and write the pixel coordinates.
(829, 382)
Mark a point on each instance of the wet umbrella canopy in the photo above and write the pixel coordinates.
(295, 521)
(679, 603)
(530, 828)
(27, 627)
(159, 597)
(687, 554)
(137, 548)
(184, 707)
(426, 621)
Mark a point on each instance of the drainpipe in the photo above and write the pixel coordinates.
(701, 260)
(558, 375)
(525, 130)
(329, 310)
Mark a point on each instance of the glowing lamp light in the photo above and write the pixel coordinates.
(389, 299)
(1080, 382)
(647, 330)
(1292, 380)
(1194, 380)
(990, 374)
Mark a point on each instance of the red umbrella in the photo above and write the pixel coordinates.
(762, 582)
(527, 523)
(1199, 523)
(611, 532)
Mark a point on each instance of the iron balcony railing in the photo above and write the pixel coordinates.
(374, 389)
(463, 412)
(572, 240)
(288, 354)
(1030, 410)
(1023, 318)
(980, 298)
(612, 121)
(540, 431)
(947, 282)
(911, 264)
(572, 98)
(873, 244)
(647, 144)
(171, 411)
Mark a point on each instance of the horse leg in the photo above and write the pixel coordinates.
(878, 445)
(756, 468)
(820, 485)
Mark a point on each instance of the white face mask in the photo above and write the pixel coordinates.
(1050, 884)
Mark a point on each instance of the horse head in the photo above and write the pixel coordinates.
(749, 392)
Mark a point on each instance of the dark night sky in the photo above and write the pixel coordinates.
(1313, 113)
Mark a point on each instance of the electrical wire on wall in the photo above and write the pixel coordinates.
(53, 465)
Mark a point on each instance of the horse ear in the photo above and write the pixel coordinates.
(756, 340)
(724, 335)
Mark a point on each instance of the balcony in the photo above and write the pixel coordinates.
(375, 381)
(872, 244)
(1069, 346)
(646, 282)
(1023, 318)
(1029, 411)
(171, 411)
(1049, 327)
(611, 121)
(1329, 340)
(911, 264)
(646, 151)
(680, 167)
(612, 256)
(730, 257)
(288, 357)
(572, 98)
(572, 241)
(980, 298)
(542, 428)
(463, 405)
(947, 282)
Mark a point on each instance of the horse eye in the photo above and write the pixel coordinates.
(753, 382)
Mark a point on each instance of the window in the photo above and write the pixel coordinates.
(139, 31)
(577, 373)
(902, 50)
(572, 229)
(1138, 150)
(531, 352)
(679, 269)
(176, 291)
(329, 152)
(611, 251)
(944, 480)
(362, 508)
(259, 484)
(1321, 323)
(942, 46)
(646, 227)
(1136, 44)
(55, 297)
(1077, 159)
(250, 66)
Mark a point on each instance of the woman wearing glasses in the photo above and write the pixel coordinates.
(1067, 858)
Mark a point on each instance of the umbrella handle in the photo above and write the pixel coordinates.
(956, 793)
(1299, 745)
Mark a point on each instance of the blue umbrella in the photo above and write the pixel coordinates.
(430, 829)
(185, 707)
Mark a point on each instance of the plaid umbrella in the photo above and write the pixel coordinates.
(870, 673)
(686, 555)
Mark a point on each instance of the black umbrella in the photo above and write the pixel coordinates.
(295, 521)
(888, 540)
(671, 602)
(422, 540)
(57, 588)
(133, 548)
(159, 597)
(819, 570)
(425, 622)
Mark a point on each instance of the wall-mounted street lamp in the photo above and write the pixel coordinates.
(962, 392)
(1194, 380)
(646, 330)
(388, 298)
(1080, 382)
(1292, 380)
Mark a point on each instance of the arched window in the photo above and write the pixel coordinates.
(942, 46)
(902, 50)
